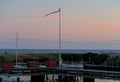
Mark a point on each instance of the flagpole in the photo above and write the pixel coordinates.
(60, 60)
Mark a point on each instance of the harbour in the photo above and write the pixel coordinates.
(59, 41)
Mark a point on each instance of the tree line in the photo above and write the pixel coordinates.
(90, 58)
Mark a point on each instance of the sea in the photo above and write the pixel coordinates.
(37, 51)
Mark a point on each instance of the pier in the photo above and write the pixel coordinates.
(62, 74)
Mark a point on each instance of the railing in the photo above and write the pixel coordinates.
(61, 71)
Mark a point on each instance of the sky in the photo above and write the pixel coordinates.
(85, 24)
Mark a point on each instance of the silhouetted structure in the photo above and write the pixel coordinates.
(18, 79)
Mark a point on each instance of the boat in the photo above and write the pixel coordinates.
(72, 65)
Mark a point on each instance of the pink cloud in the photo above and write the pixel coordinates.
(74, 28)
(116, 11)
(95, 28)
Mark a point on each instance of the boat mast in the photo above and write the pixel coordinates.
(16, 49)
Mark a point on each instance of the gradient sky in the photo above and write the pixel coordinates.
(86, 24)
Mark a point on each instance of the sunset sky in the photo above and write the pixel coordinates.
(85, 24)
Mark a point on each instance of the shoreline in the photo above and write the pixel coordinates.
(47, 51)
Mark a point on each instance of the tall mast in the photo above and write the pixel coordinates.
(59, 41)
(60, 60)
(16, 49)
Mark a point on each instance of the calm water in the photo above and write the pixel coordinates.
(24, 51)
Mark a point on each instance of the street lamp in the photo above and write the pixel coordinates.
(58, 11)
